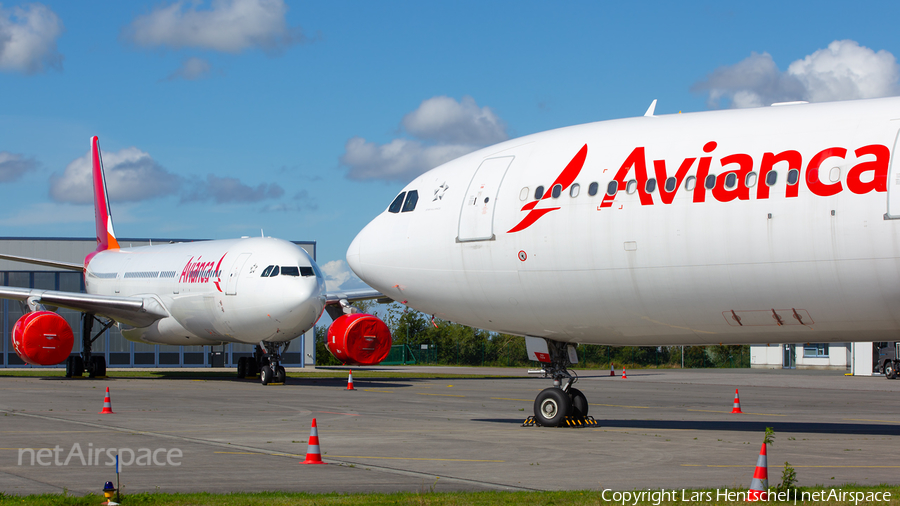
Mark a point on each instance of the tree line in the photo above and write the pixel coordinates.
(418, 339)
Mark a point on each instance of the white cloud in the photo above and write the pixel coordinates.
(191, 69)
(842, 71)
(338, 276)
(131, 175)
(14, 166)
(444, 129)
(229, 189)
(443, 119)
(229, 26)
(28, 39)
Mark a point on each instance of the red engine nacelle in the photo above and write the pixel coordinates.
(42, 338)
(359, 338)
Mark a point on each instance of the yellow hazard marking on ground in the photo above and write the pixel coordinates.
(405, 458)
(620, 406)
(864, 420)
(729, 412)
(508, 399)
(374, 390)
(441, 395)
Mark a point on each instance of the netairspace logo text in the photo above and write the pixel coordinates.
(99, 456)
(656, 497)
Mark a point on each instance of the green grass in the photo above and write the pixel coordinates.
(426, 496)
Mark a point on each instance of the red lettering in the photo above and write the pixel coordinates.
(637, 160)
(769, 160)
(813, 182)
(659, 166)
(741, 191)
(702, 172)
(878, 166)
(185, 273)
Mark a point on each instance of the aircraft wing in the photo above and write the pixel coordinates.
(46, 263)
(335, 301)
(135, 311)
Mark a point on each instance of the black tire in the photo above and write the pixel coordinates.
(280, 375)
(252, 367)
(98, 367)
(242, 368)
(70, 366)
(265, 375)
(890, 372)
(579, 403)
(551, 407)
(77, 366)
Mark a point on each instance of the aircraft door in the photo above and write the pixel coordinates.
(476, 219)
(236, 267)
(893, 184)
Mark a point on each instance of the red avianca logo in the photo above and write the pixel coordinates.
(201, 272)
(869, 173)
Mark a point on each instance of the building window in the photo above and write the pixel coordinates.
(815, 350)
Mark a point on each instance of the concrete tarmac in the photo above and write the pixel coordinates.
(657, 429)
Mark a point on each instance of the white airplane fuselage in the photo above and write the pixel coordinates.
(742, 262)
(214, 291)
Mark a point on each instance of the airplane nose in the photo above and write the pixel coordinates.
(354, 251)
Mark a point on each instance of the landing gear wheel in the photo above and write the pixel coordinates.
(242, 367)
(280, 374)
(889, 371)
(74, 367)
(551, 407)
(98, 367)
(265, 375)
(579, 403)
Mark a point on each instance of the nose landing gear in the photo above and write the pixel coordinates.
(266, 361)
(560, 405)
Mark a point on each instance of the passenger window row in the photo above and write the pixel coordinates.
(690, 183)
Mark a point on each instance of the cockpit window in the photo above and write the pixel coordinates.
(397, 203)
(267, 271)
(290, 270)
(307, 271)
(274, 272)
(411, 199)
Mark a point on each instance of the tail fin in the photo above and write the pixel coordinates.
(106, 236)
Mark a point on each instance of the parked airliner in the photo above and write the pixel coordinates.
(767, 225)
(260, 291)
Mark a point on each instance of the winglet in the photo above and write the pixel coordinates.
(651, 109)
(106, 236)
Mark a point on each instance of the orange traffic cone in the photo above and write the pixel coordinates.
(737, 403)
(107, 405)
(350, 381)
(612, 370)
(313, 454)
(759, 486)
(624, 377)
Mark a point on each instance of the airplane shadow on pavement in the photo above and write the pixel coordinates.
(737, 426)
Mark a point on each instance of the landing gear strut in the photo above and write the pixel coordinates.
(95, 365)
(266, 361)
(561, 404)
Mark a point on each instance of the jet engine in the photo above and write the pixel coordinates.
(360, 339)
(42, 338)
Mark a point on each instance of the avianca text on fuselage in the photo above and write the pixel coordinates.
(869, 173)
(201, 272)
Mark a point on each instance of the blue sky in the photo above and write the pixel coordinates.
(218, 119)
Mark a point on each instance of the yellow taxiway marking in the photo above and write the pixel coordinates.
(441, 395)
(373, 390)
(405, 458)
(508, 399)
(808, 467)
(729, 412)
(864, 420)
